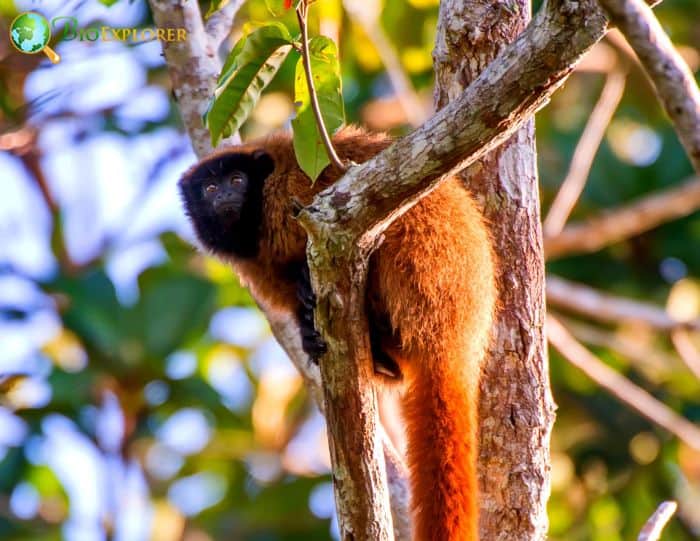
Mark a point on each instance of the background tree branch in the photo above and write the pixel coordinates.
(626, 221)
(619, 386)
(585, 152)
(599, 306)
(656, 523)
(674, 82)
(685, 347)
(367, 14)
(638, 352)
(218, 26)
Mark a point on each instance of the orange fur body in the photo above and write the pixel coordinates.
(432, 281)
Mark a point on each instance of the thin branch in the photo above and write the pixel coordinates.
(638, 352)
(618, 41)
(302, 13)
(585, 152)
(609, 308)
(31, 159)
(399, 493)
(674, 82)
(626, 221)
(366, 14)
(619, 386)
(657, 522)
(683, 343)
(218, 25)
(602, 58)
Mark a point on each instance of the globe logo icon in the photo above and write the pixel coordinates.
(30, 34)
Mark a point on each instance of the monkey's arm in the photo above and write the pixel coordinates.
(311, 339)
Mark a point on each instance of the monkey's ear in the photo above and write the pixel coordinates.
(264, 164)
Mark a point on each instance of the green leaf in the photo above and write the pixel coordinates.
(215, 6)
(174, 307)
(308, 145)
(179, 252)
(231, 62)
(263, 41)
(108, 3)
(250, 67)
(93, 311)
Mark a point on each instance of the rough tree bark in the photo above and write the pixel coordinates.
(516, 407)
(338, 261)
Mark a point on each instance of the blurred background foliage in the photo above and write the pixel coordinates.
(141, 394)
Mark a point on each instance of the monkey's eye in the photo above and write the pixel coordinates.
(211, 188)
(237, 180)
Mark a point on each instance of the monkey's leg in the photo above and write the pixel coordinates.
(380, 337)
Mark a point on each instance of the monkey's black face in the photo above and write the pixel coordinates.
(226, 195)
(222, 195)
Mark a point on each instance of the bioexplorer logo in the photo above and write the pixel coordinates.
(31, 32)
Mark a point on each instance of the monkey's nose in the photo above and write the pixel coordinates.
(226, 202)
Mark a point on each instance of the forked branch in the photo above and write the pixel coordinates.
(193, 67)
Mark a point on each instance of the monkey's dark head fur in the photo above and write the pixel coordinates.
(223, 196)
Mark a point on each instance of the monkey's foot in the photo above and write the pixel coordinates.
(386, 366)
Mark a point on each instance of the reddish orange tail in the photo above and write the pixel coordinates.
(440, 412)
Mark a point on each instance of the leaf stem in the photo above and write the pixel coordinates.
(302, 12)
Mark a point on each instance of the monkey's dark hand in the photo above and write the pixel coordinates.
(311, 340)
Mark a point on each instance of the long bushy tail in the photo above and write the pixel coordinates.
(440, 411)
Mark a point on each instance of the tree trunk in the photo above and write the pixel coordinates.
(516, 407)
